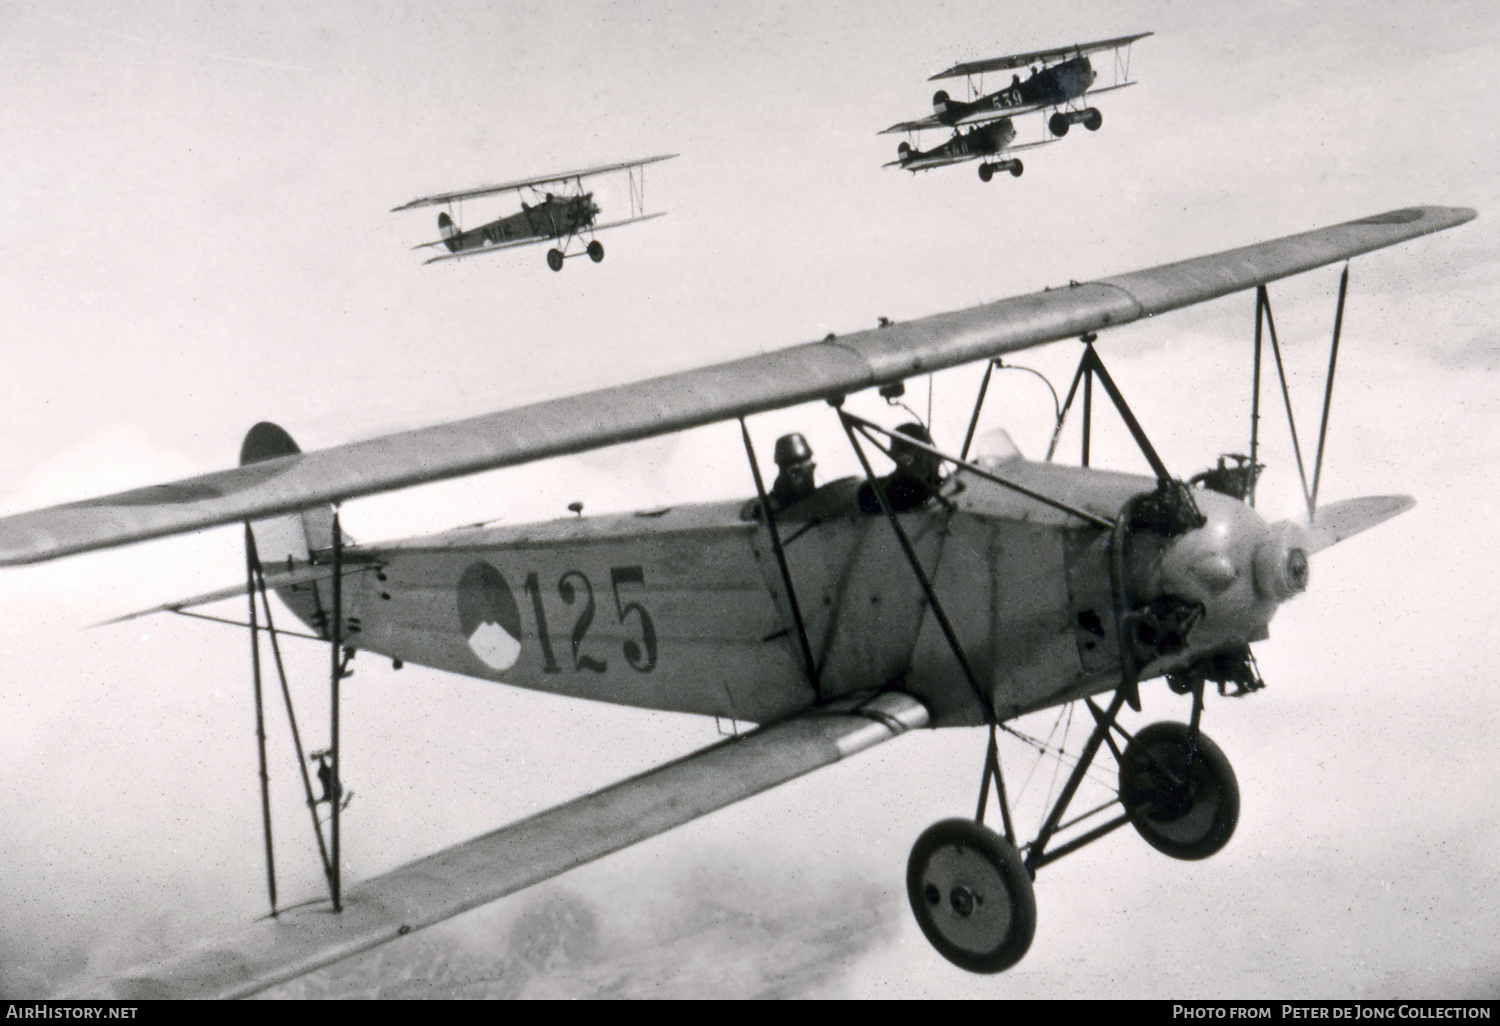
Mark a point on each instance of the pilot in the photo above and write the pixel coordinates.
(794, 479)
(916, 479)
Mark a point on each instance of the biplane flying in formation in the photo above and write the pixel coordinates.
(558, 217)
(1060, 80)
(960, 586)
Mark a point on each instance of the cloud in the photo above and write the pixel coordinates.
(719, 928)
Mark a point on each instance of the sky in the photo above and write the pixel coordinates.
(194, 236)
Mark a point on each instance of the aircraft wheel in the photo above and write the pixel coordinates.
(596, 251)
(1185, 811)
(1092, 119)
(986, 172)
(1058, 123)
(971, 896)
(555, 259)
(1016, 168)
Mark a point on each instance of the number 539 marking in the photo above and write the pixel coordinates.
(641, 655)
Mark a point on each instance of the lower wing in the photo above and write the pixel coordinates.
(928, 163)
(981, 117)
(461, 254)
(474, 873)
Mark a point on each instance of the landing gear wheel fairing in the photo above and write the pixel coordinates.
(1181, 794)
(971, 896)
(986, 172)
(596, 251)
(1058, 123)
(554, 259)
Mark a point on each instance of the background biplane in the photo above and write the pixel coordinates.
(560, 218)
(1061, 84)
(1025, 585)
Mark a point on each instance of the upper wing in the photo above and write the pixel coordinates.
(931, 121)
(480, 251)
(561, 176)
(1021, 60)
(785, 377)
(514, 857)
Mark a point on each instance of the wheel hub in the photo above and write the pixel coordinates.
(963, 900)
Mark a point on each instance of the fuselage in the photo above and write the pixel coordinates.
(556, 217)
(685, 609)
(1050, 87)
(983, 141)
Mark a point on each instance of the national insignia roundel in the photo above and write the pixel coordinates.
(488, 616)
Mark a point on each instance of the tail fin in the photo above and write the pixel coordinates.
(940, 102)
(447, 229)
(288, 542)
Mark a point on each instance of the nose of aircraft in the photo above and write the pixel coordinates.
(1238, 567)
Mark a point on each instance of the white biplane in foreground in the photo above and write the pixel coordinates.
(950, 591)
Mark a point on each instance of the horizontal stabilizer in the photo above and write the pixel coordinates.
(512, 858)
(274, 579)
(810, 372)
(1339, 520)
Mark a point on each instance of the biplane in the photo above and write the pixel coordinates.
(561, 217)
(1061, 84)
(962, 586)
(981, 141)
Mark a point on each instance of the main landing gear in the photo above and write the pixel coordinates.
(1013, 165)
(971, 895)
(594, 249)
(970, 888)
(1089, 118)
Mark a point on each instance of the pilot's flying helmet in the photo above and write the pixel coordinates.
(792, 448)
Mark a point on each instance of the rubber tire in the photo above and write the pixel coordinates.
(1058, 124)
(1092, 119)
(1205, 823)
(1017, 168)
(596, 251)
(555, 259)
(973, 864)
(986, 172)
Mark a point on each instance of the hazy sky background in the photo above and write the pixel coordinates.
(194, 237)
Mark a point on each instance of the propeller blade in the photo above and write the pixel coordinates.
(1339, 520)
